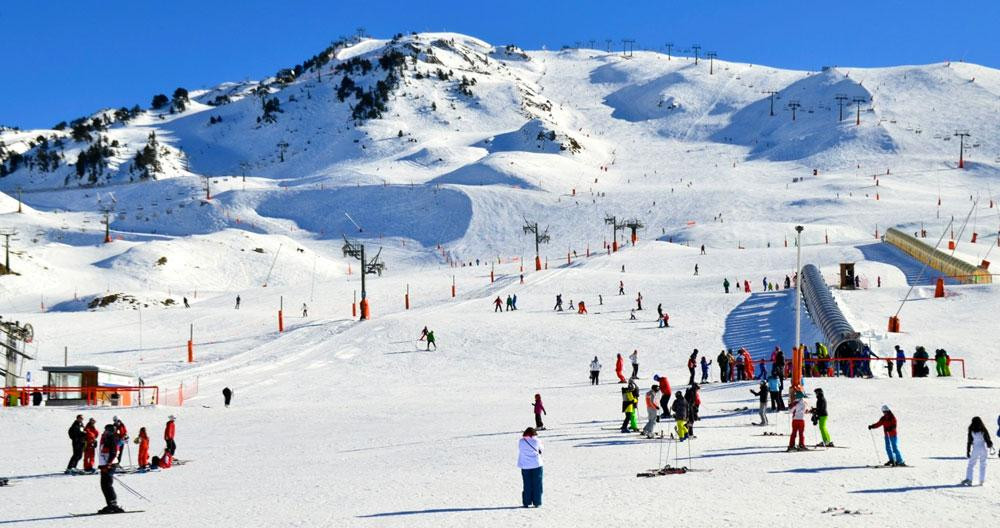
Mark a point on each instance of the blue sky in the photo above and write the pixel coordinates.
(67, 58)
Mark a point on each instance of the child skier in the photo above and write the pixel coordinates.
(761, 393)
(539, 409)
(819, 416)
(634, 357)
(705, 363)
(680, 409)
(628, 408)
(975, 450)
(595, 371)
(652, 410)
(143, 441)
(798, 423)
(888, 424)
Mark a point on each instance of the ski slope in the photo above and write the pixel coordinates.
(337, 422)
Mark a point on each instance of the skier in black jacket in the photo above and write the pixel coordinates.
(78, 438)
(819, 416)
(691, 398)
(106, 463)
(723, 362)
(762, 395)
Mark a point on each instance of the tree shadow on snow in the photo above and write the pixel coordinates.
(438, 510)
(910, 488)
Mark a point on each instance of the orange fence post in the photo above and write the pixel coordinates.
(191, 345)
(894, 324)
(407, 297)
(538, 264)
(939, 288)
(365, 310)
(281, 315)
(452, 285)
(354, 305)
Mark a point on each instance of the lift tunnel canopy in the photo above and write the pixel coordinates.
(841, 338)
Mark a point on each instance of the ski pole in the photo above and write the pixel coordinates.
(878, 459)
(129, 489)
(129, 446)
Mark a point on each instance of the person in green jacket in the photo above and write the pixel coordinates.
(430, 340)
(940, 362)
(628, 407)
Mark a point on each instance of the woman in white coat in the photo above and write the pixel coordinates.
(976, 450)
(529, 459)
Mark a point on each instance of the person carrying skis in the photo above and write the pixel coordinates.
(227, 395)
(665, 393)
(798, 423)
(628, 407)
(595, 371)
(619, 365)
(888, 424)
(900, 361)
(725, 284)
(819, 416)
(558, 307)
(634, 358)
(90, 445)
(529, 460)
(692, 363)
(497, 305)
(977, 441)
(680, 409)
(431, 340)
(722, 360)
(143, 441)
(652, 410)
(761, 393)
(168, 435)
(705, 363)
(78, 439)
(106, 464)
(538, 408)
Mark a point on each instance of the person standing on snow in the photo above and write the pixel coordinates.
(659, 313)
(122, 434)
(638, 302)
(498, 305)
(582, 308)
(722, 360)
(900, 361)
(90, 445)
(696, 270)
(888, 424)
(106, 463)
(305, 311)
(665, 393)
(652, 410)
(819, 416)
(143, 441)
(431, 340)
(761, 393)
(510, 303)
(725, 284)
(513, 302)
(680, 409)
(634, 358)
(779, 366)
(621, 285)
(78, 439)
(558, 307)
(628, 407)
(237, 302)
(692, 363)
(529, 460)
(227, 395)
(798, 423)
(746, 286)
(705, 363)
(975, 450)
(168, 435)
(595, 371)
(538, 408)
(777, 402)
(619, 365)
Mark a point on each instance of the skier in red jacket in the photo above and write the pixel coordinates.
(143, 441)
(619, 365)
(122, 434)
(168, 435)
(90, 445)
(888, 424)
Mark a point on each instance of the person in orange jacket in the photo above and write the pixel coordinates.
(168, 435)
(582, 309)
(747, 363)
(143, 441)
(90, 445)
(619, 365)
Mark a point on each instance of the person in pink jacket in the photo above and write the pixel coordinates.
(539, 409)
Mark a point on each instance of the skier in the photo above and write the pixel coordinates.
(638, 302)
(498, 305)
(619, 365)
(761, 393)
(788, 282)
(696, 270)
(227, 395)
(143, 441)
(539, 409)
(746, 286)
(705, 363)
(703, 249)
(819, 415)
(798, 423)
(680, 409)
(621, 285)
(237, 302)
(600, 300)
(779, 366)
(920, 369)
(510, 303)
(513, 302)
(628, 407)
(305, 311)
(975, 450)
(431, 340)
(747, 364)
(595, 371)
(634, 358)
(722, 360)
(529, 460)
(764, 282)
(582, 310)
(664, 394)
(652, 410)
(692, 363)
(558, 307)
(900, 361)
(78, 439)
(634, 391)
(122, 434)
(168, 435)
(106, 463)
(423, 334)
(659, 312)
(725, 284)
(90, 445)
(741, 369)
(888, 424)
(186, 305)
(631, 315)
(777, 402)
(665, 322)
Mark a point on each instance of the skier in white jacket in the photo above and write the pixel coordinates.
(976, 450)
(529, 459)
(595, 371)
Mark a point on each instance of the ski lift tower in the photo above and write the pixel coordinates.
(541, 237)
(634, 224)
(615, 227)
(15, 337)
(357, 250)
(7, 234)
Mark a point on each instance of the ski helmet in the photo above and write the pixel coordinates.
(656, 377)
(885, 408)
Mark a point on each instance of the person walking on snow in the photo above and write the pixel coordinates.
(529, 460)
(761, 393)
(696, 270)
(692, 363)
(498, 305)
(888, 424)
(513, 302)
(143, 441)
(305, 311)
(819, 416)
(168, 435)
(90, 445)
(638, 302)
(237, 302)
(621, 286)
(227, 395)
(431, 340)
(619, 365)
(705, 363)
(106, 463)
(78, 439)
(595, 371)
(725, 284)
(665, 393)
(558, 307)
(900, 361)
(539, 409)
(798, 423)
(977, 441)
(680, 409)
(652, 410)
(634, 358)
(510, 303)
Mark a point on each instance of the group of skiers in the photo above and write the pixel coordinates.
(109, 447)
(766, 285)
